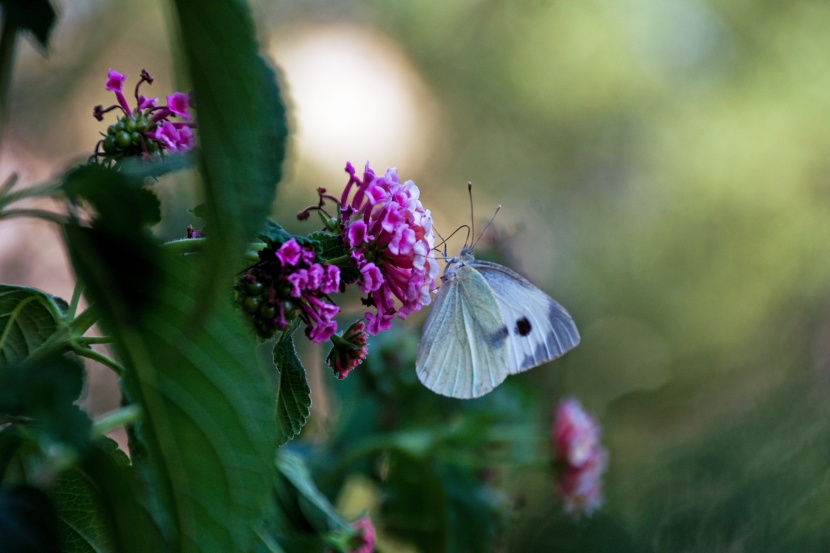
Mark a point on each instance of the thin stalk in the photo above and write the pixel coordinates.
(116, 419)
(76, 299)
(84, 321)
(89, 340)
(117, 367)
(35, 213)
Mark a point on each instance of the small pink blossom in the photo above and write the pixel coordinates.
(364, 541)
(580, 458)
(146, 103)
(331, 280)
(179, 103)
(115, 80)
(348, 351)
(175, 139)
(289, 253)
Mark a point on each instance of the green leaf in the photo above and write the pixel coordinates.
(122, 201)
(28, 317)
(98, 506)
(209, 427)
(329, 247)
(316, 508)
(35, 16)
(242, 126)
(45, 392)
(27, 521)
(293, 393)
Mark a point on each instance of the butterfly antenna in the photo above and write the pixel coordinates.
(472, 214)
(493, 218)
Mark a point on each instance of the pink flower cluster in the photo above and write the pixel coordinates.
(581, 459)
(147, 127)
(364, 540)
(391, 239)
(309, 286)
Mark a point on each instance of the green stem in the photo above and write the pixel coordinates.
(8, 184)
(117, 367)
(84, 321)
(76, 299)
(89, 340)
(186, 245)
(7, 40)
(116, 419)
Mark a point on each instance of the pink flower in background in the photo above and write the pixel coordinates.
(364, 541)
(349, 350)
(145, 129)
(391, 239)
(579, 456)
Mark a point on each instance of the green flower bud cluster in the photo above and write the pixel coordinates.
(255, 296)
(127, 135)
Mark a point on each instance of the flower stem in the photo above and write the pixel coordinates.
(117, 419)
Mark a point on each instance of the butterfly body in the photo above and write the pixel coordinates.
(488, 322)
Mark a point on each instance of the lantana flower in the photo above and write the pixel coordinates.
(579, 457)
(390, 237)
(349, 350)
(147, 128)
(286, 284)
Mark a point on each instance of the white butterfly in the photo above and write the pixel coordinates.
(488, 322)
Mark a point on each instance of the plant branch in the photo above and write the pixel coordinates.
(116, 419)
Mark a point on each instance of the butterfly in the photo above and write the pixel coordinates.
(488, 322)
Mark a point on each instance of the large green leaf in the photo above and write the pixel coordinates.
(242, 125)
(293, 395)
(98, 506)
(28, 317)
(209, 423)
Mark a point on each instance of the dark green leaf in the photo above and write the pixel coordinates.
(293, 394)
(330, 247)
(98, 506)
(35, 16)
(28, 317)
(316, 508)
(121, 200)
(209, 427)
(242, 126)
(45, 392)
(28, 523)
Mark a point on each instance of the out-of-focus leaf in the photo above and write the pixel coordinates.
(28, 317)
(440, 507)
(35, 16)
(98, 505)
(28, 523)
(317, 509)
(302, 515)
(208, 432)
(242, 126)
(293, 393)
(44, 392)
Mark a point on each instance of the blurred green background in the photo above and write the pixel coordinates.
(664, 173)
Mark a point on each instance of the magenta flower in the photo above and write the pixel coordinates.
(179, 103)
(579, 456)
(285, 284)
(364, 540)
(145, 129)
(391, 239)
(349, 350)
(174, 138)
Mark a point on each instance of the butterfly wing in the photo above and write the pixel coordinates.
(464, 352)
(539, 328)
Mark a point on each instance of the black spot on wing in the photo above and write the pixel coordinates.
(562, 337)
(523, 327)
